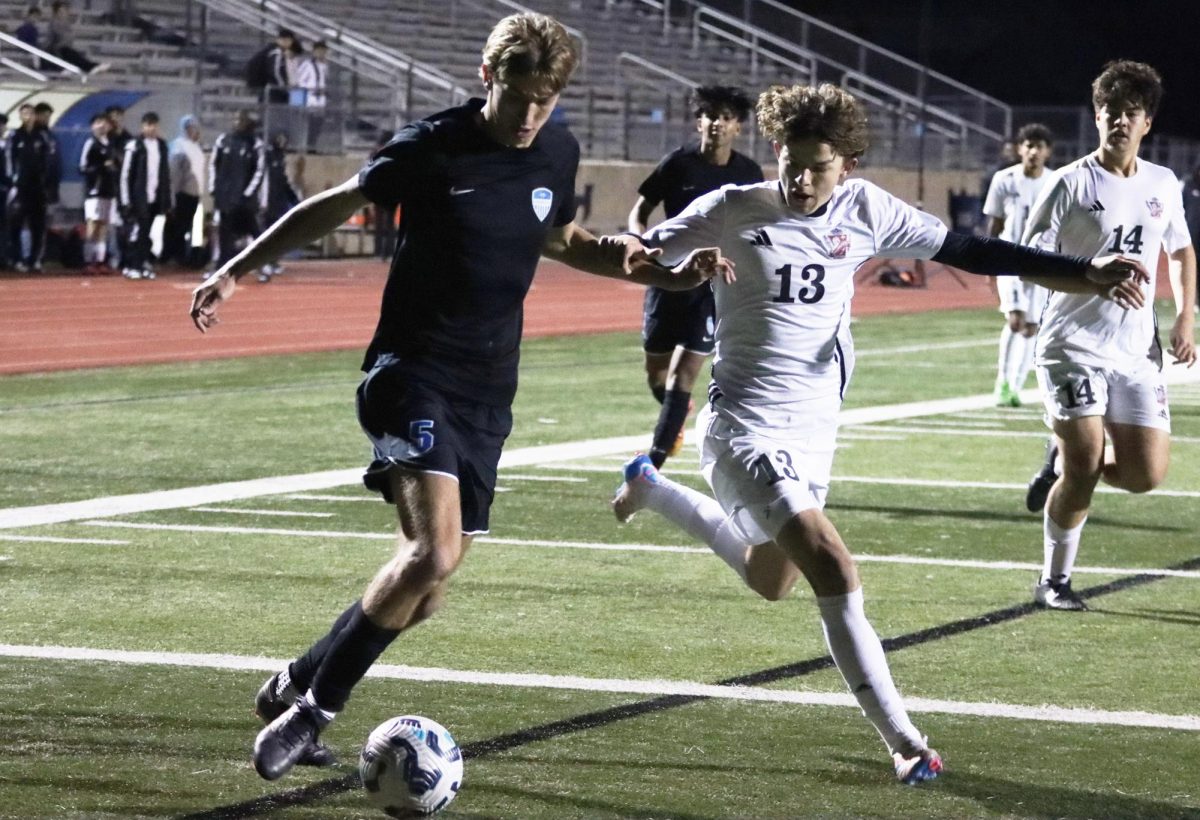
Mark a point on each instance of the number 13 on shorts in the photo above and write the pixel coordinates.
(776, 467)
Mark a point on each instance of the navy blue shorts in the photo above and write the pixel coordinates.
(678, 318)
(412, 424)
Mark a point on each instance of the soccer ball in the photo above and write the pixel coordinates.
(410, 766)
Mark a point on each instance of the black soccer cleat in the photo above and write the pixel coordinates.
(1052, 595)
(287, 739)
(1043, 480)
(269, 705)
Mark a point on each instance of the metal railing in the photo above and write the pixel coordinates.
(34, 55)
(663, 122)
(409, 83)
(516, 8)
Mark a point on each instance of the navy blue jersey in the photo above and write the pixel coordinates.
(683, 175)
(474, 217)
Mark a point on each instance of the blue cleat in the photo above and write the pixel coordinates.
(910, 771)
(640, 474)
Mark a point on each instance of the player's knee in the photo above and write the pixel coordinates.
(1030, 330)
(420, 569)
(1143, 481)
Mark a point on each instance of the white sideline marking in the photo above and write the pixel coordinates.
(319, 497)
(594, 545)
(243, 511)
(887, 351)
(970, 431)
(523, 457)
(552, 478)
(47, 539)
(1056, 714)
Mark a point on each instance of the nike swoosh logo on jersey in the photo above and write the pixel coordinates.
(460, 191)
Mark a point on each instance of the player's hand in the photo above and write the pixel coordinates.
(704, 264)
(208, 295)
(1126, 293)
(1108, 270)
(1183, 340)
(624, 249)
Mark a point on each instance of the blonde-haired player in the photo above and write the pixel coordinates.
(1100, 368)
(783, 359)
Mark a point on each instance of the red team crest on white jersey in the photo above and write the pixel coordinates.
(1156, 207)
(839, 243)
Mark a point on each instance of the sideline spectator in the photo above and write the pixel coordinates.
(118, 246)
(267, 69)
(313, 77)
(29, 32)
(1191, 209)
(145, 193)
(189, 169)
(29, 157)
(5, 185)
(62, 39)
(235, 173)
(279, 194)
(98, 164)
(42, 113)
(385, 218)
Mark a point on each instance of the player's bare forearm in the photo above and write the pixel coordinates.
(995, 227)
(624, 257)
(310, 220)
(1181, 269)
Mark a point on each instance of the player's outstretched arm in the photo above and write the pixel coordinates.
(625, 257)
(1181, 267)
(307, 222)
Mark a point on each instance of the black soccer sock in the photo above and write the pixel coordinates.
(660, 391)
(304, 668)
(670, 422)
(348, 659)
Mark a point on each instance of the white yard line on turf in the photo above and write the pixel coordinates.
(47, 539)
(280, 513)
(1056, 714)
(320, 497)
(595, 545)
(522, 457)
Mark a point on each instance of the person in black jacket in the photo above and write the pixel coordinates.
(235, 174)
(118, 246)
(30, 155)
(280, 194)
(5, 185)
(99, 165)
(145, 193)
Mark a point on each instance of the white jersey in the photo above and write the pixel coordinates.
(1010, 197)
(1087, 211)
(783, 347)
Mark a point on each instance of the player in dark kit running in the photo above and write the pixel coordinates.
(486, 188)
(677, 327)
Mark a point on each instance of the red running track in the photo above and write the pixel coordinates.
(66, 321)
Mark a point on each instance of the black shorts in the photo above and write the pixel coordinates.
(414, 425)
(678, 318)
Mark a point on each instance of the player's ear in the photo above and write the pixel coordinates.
(485, 74)
(848, 166)
(776, 147)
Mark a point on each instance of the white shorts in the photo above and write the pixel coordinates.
(762, 481)
(1137, 396)
(96, 209)
(114, 215)
(1026, 297)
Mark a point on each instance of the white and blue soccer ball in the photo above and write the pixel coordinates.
(411, 766)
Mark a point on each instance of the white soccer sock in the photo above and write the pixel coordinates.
(1025, 364)
(99, 251)
(324, 713)
(1060, 546)
(701, 517)
(860, 658)
(1008, 353)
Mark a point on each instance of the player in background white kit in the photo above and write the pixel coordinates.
(1100, 368)
(783, 359)
(1010, 198)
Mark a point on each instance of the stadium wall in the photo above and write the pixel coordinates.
(608, 189)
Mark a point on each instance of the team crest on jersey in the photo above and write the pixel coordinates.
(839, 243)
(542, 197)
(1156, 207)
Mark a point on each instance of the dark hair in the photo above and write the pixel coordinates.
(33, 10)
(58, 4)
(1034, 132)
(113, 109)
(320, 44)
(99, 115)
(1129, 82)
(711, 99)
(150, 118)
(43, 108)
(3, 118)
(25, 106)
(286, 32)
